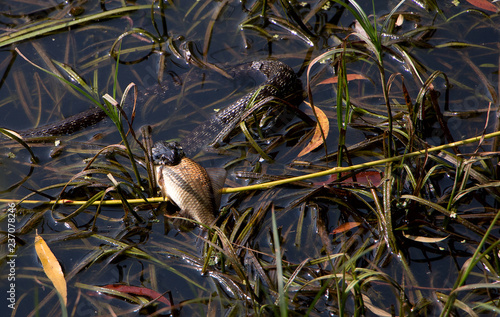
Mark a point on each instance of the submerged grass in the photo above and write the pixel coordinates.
(389, 203)
(46, 27)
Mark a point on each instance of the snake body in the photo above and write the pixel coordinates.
(69, 125)
(281, 83)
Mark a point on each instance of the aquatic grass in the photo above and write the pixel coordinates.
(348, 281)
(372, 37)
(217, 12)
(115, 112)
(299, 27)
(134, 31)
(136, 252)
(253, 143)
(109, 251)
(16, 137)
(470, 264)
(343, 286)
(343, 120)
(290, 20)
(86, 92)
(282, 299)
(46, 27)
(162, 7)
(232, 257)
(248, 24)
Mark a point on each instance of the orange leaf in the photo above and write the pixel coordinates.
(483, 4)
(317, 139)
(51, 267)
(350, 77)
(369, 178)
(346, 227)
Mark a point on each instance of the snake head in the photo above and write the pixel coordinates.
(167, 153)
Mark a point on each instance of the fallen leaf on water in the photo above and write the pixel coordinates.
(136, 290)
(350, 77)
(400, 20)
(424, 239)
(51, 267)
(483, 4)
(317, 139)
(346, 227)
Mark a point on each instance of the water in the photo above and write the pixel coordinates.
(307, 215)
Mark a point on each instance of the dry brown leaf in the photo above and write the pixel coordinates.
(350, 77)
(51, 267)
(141, 291)
(317, 139)
(483, 4)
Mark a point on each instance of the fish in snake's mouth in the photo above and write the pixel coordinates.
(194, 189)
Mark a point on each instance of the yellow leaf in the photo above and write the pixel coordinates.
(51, 266)
(317, 140)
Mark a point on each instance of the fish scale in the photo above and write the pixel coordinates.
(189, 186)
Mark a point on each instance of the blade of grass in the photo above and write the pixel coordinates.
(279, 267)
(52, 26)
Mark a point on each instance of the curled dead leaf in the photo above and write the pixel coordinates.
(322, 125)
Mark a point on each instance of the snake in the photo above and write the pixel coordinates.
(194, 189)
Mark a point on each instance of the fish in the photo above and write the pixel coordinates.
(195, 190)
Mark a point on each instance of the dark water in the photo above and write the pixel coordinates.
(171, 259)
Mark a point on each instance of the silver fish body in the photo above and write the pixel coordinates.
(194, 189)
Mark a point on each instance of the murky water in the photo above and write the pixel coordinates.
(461, 44)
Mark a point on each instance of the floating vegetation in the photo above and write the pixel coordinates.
(377, 195)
